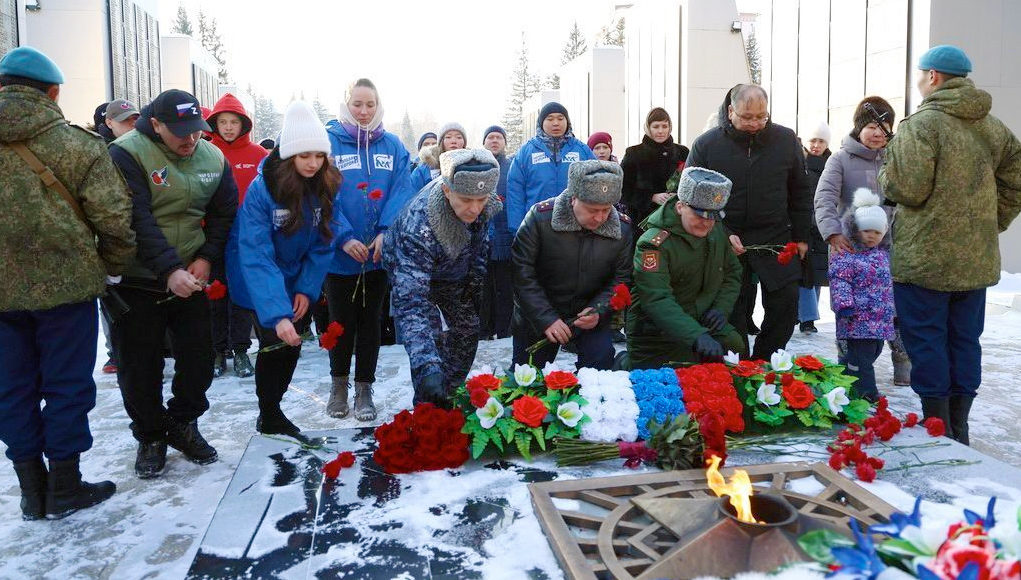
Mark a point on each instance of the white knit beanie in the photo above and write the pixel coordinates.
(868, 215)
(821, 131)
(302, 131)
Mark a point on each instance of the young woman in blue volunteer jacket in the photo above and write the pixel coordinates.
(539, 169)
(376, 187)
(279, 250)
(452, 136)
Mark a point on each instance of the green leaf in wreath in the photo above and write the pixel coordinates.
(537, 433)
(552, 430)
(804, 417)
(899, 548)
(767, 418)
(508, 427)
(856, 411)
(818, 543)
(479, 442)
(524, 444)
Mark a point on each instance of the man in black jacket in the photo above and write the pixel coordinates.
(568, 254)
(184, 199)
(770, 204)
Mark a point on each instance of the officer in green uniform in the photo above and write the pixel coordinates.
(686, 278)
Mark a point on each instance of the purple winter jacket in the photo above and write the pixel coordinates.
(861, 287)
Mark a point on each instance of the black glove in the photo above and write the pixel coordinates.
(432, 390)
(714, 320)
(708, 349)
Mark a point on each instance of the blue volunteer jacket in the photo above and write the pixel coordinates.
(500, 237)
(383, 165)
(421, 176)
(536, 174)
(265, 267)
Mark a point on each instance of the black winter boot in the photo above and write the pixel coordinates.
(938, 407)
(32, 479)
(219, 365)
(185, 437)
(242, 364)
(960, 408)
(66, 493)
(151, 459)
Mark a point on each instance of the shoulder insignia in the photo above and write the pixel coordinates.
(84, 130)
(650, 260)
(544, 205)
(659, 238)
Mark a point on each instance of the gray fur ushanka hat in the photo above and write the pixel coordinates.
(704, 190)
(470, 172)
(595, 181)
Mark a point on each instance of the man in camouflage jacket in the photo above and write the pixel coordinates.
(53, 270)
(436, 254)
(955, 172)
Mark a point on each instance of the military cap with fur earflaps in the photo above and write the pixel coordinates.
(704, 190)
(470, 172)
(595, 181)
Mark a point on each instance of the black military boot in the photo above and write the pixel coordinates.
(938, 407)
(185, 437)
(219, 365)
(66, 493)
(151, 459)
(960, 408)
(32, 479)
(242, 364)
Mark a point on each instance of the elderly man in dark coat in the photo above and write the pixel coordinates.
(770, 205)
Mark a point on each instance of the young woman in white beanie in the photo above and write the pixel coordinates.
(813, 269)
(279, 251)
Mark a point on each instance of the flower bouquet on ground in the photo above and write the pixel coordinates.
(513, 412)
(676, 443)
(619, 300)
(710, 397)
(427, 439)
(978, 548)
(659, 397)
(611, 409)
(789, 392)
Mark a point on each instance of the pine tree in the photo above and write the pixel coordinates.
(182, 25)
(265, 117)
(321, 111)
(613, 37)
(408, 133)
(212, 42)
(751, 51)
(574, 46)
(524, 84)
(553, 81)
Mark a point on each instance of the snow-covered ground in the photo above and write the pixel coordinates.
(152, 529)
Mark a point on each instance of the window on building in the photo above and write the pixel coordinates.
(135, 44)
(8, 25)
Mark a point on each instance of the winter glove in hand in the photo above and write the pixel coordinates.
(708, 348)
(432, 390)
(714, 320)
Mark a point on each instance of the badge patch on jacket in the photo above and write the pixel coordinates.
(344, 162)
(159, 177)
(383, 161)
(650, 261)
(539, 157)
(572, 156)
(279, 217)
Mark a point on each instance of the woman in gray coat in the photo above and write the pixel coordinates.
(855, 165)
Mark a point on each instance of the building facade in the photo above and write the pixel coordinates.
(592, 89)
(189, 67)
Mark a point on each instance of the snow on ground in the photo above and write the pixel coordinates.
(153, 529)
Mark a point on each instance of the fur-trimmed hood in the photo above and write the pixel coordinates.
(564, 220)
(453, 234)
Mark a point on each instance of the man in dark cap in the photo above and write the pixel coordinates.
(686, 278)
(185, 199)
(60, 196)
(569, 254)
(435, 253)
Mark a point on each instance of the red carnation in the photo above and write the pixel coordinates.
(621, 298)
(785, 258)
(376, 194)
(837, 461)
(680, 166)
(746, 368)
(328, 339)
(216, 290)
(363, 185)
(332, 469)
(911, 420)
(558, 380)
(791, 247)
(865, 472)
(529, 410)
(488, 382)
(479, 398)
(935, 427)
(876, 463)
(809, 363)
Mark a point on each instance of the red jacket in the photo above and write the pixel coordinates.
(243, 155)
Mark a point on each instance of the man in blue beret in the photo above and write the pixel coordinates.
(66, 227)
(954, 171)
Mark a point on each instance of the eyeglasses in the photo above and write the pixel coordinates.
(754, 118)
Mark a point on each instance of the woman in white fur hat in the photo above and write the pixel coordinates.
(278, 253)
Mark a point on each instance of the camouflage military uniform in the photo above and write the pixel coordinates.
(437, 265)
(52, 272)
